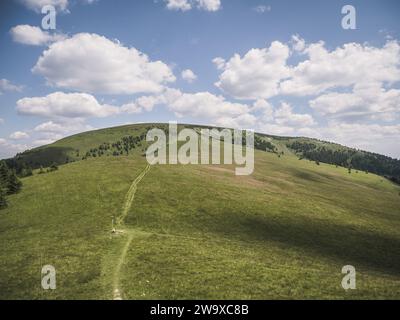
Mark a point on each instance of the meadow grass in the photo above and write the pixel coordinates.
(64, 218)
(284, 232)
(200, 232)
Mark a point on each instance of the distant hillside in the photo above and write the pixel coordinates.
(122, 140)
(346, 157)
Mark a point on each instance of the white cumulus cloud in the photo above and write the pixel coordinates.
(188, 75)
(349, 65)
(219, 62)
(264, 73)
(209, 5)
(7, 85)
(33, 36)
(19, 135)
(283, 120)
(37, 5)
(382, 139)
(284, 115)
(65, 105)
(204, 106)
(185, 5)
(64, 126)
(257, 74)
(8, 149)
(59, 5)
(363, 103)
(95, 64)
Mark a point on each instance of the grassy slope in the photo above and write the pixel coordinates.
(83, 142)
(63, 218)
(202, 232)
(286, 232)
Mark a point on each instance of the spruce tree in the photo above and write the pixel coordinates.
(27, 172)
(4, 178)
(13, 185)
(3, 200)
(3, 174)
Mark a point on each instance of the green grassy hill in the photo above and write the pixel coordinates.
(196, 232)
(122, 140)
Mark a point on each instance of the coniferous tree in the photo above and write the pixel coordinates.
(3, 182)
(9, 183)
(26, 171)
(14, 184)
(3, 200)
(3, 174)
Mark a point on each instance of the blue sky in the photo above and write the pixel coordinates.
(283, 67)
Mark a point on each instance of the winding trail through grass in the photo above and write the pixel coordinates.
(130, 196)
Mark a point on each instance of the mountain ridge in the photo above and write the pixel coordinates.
(81, 145)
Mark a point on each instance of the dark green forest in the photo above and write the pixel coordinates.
(349, 158)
